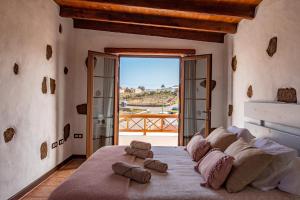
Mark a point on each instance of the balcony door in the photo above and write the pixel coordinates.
(102, 95)
(195, 112)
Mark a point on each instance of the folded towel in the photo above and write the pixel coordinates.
(140, 145)
(135, 173)
(140, 153)
(156, 165)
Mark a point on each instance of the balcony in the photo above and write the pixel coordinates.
(157, 129)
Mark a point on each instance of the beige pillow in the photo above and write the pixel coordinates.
(249, 163)
(221, 139)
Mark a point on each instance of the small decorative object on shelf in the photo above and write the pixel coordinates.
(43, 150)
(234, 63)
(250, 91)
(272, 48)
(287, 95)
(9, 134)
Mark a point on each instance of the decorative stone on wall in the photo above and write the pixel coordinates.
(67, 131)
(287, 95)
(43, 150)
(66, 70)
(87, 60)
(272, 48)
(44, 85)
(48, 52)
(230, 110)
(82, 109)
(213, 84)
(250, 91)
(234, 63)
(16, 69)
(60, 29)
(9, 134)
(52, 86)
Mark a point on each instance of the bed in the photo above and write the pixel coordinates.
(94, 179)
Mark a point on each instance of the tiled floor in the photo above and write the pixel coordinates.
(42, 191)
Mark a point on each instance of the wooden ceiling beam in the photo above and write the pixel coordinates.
(151, 20)
(149, 51)
(149, 30)
(231, 9)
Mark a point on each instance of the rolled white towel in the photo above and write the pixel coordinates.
(140, 145)
(156, 165)
(135, 173)
(140, 153)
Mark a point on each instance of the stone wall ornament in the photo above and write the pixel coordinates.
(82, 109)
(66, 70)
(287, 95)
(16, 69)
(52, 86)
(250, 91)
(60, 29)
(234, 63)
(272, 48)
(43, 150)
(44, 85)
(213, 84)
(48, 52)
(9, 134)
(87, 60)
(230, 110)
(67, 131)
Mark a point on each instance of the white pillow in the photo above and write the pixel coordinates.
(291, 181)
(241, 133)
(283, 157)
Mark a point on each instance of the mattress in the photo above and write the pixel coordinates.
(181, 182)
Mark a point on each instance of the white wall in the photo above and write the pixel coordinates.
(85, 40)
(266, 74)
(26, 27)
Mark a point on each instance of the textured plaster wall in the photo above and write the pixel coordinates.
(97, 41)
(26, 27)
(266, 74)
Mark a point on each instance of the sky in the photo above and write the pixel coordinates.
(148, 72)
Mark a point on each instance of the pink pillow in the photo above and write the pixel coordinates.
(197, 147)
(215, 167)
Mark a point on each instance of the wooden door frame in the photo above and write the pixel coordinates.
(90, 89)
(131, 52)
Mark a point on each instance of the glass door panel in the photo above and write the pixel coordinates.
(101, 101)
(197, 98)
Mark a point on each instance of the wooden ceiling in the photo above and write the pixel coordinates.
(202, 20)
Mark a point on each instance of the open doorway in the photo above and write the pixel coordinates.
(149, 100)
